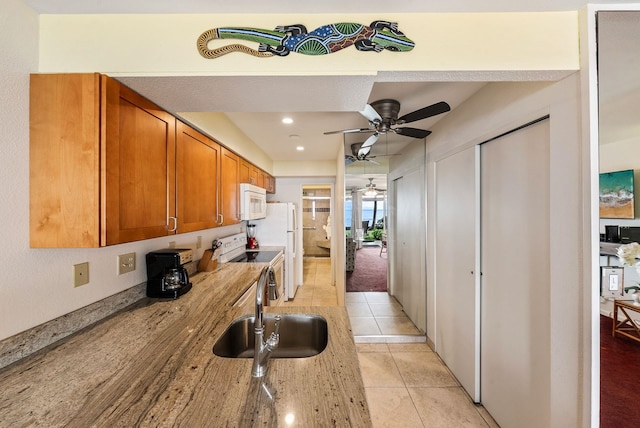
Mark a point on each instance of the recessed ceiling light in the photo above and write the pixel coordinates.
(299, 148)
(287, 120)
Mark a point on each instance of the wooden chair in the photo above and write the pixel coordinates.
(383, 245)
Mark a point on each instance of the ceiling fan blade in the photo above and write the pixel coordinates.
(363, 152)
(383, 156)
(412, 132)
(369, 141)
(349, 131)
(370, 114)
(425, 112)
(365, 159)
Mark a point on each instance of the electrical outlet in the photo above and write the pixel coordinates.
(80, 274)
(126, 263)
(199, 242)
(172, 244)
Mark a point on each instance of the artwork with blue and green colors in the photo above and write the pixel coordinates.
(375, 37)
(616, 194)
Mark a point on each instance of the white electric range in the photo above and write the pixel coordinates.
(234, 249)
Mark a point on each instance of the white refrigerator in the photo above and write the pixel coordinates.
(279, 228)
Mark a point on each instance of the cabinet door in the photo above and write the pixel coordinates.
(245, 171)
(197, 172)
(262, 179)
(138, 158)
(64, 160)
(229, 187)
(254, 176)
(271, 184)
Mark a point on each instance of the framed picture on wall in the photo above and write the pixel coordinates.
(616, 194)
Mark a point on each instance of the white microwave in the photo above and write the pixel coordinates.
(253, 202)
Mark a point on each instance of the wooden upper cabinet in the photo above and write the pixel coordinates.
(108, 166)
(138, 155)
(102, 162)
(198, 175)
(245, 171)
(267, 182)
(64, 160)
(249, 173)
(229, 187)
(271, 184)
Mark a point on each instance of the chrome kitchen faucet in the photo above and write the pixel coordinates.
(263, 349)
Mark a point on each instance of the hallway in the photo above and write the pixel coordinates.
(378, 317)
(406, 383)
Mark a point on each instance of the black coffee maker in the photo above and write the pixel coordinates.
(166, 275)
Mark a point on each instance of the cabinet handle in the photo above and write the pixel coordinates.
(221, 217)
(175, 224)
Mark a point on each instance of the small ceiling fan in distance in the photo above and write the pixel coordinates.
(370, 189)
(356, 157)
(383, 118)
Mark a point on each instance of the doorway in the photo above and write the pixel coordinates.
(366, 233)
(619, 151)
(318, 277)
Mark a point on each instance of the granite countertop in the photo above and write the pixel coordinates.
(152, 365)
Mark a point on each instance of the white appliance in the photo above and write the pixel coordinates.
(253, 202)
(233, 250)
(279, 229)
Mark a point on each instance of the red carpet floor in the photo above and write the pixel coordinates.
(619, 379)
(370, 273)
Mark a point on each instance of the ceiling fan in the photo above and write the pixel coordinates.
(383, 118)
(370, 189)
(355, 155)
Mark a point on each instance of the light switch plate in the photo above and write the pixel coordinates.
(126, 263)
(80, 274)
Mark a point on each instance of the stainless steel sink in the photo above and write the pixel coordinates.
(301, 336)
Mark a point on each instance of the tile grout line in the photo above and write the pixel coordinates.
(415, 407)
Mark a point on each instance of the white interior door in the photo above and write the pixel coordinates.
(457, 302)
(409, 247)
(395, 242)
(515, 320)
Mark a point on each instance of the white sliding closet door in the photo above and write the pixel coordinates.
(409, 247)
(515, 319)
(457, 300)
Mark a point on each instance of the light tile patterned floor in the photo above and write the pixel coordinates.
(407, 385)
(376, 313)
(317, 289)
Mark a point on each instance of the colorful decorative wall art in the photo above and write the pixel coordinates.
(616, 194)
(376, 37)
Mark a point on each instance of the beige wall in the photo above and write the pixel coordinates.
(218, 126)
(166, 44)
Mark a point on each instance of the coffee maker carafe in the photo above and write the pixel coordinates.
(166, 275)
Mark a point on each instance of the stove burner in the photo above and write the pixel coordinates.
(255, 257)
